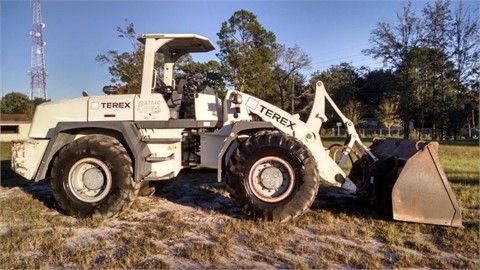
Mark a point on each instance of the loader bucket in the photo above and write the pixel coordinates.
(413, 183)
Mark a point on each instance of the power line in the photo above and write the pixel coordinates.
(345, 49)
(337, 59)
(368, 61)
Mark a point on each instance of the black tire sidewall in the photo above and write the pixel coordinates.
(105, 149)
(273, 151)
(290, 150)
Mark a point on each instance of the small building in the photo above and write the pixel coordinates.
(14, 127)
(372, 123)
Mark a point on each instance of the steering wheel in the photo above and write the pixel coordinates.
(163, 88)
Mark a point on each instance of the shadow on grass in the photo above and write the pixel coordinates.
(339, 201)
(39, 190)
(472, 142)
(467, 181)
(200, 190)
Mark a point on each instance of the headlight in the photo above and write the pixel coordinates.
(235, 98)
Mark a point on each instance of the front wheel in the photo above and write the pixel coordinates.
(93, 176)
(272, 176)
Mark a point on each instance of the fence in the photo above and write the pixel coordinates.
(419, 134)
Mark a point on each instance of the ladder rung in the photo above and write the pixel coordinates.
(152, 177)
(161, 140)
(153, 158)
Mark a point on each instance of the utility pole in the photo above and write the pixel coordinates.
(293, 91)
(473, 118)
(37, 72)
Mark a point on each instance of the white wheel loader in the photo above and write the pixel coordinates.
(99, 151)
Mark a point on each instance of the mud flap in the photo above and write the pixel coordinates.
(408, 183)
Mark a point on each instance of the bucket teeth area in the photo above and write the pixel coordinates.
(408, 183)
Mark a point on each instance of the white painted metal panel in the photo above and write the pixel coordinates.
(26, 156)
(48, 114)
(151, 107)
(207, 107)
(111, 108)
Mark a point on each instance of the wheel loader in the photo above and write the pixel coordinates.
(100, 151)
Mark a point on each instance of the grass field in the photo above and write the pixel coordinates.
(177, 229)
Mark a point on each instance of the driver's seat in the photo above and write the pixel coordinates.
(175, 100)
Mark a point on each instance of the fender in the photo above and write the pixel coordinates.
(65, 132)
(238, 128)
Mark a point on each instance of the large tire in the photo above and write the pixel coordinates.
(272, 176)
(92, 176)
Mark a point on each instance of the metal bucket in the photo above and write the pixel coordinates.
(409, 182)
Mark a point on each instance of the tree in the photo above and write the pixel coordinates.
(466, 46)
(289, 62)
(387, 112)
(393, 44)
(437, 22)
(246, 53)
(432, 95)
(355, 111)
(212, 73)
(16, 103)
(373, 86)
(465, 42)
(435, 57)
(422, 98)
(340, 82)
(126, 68)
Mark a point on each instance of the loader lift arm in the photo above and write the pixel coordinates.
(318, 115)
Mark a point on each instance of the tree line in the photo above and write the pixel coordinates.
(19, 103)
(430, 76)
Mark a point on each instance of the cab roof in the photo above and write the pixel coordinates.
(182, 43)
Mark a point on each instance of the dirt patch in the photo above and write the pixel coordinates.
(192, 223)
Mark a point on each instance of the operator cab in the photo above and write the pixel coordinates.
(172, 46)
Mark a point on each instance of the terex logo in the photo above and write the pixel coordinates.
(113, 105)
(277, 117)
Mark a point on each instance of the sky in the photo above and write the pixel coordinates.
(76, 32)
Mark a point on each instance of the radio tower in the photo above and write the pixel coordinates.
(37, 72)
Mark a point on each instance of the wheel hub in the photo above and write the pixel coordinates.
(93, 179)
(90, 180)
(271, 178)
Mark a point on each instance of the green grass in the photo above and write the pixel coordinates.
(333, 234)
(5, 150)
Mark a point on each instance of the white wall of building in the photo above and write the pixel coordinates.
(14, 131)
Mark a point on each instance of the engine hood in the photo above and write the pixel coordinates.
(48, 114)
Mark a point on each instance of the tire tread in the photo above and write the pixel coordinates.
(307, 189)
(95, 145)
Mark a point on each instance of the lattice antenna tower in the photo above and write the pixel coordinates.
(37, 72)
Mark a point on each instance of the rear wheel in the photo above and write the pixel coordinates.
(272, 176)
(93, 176)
